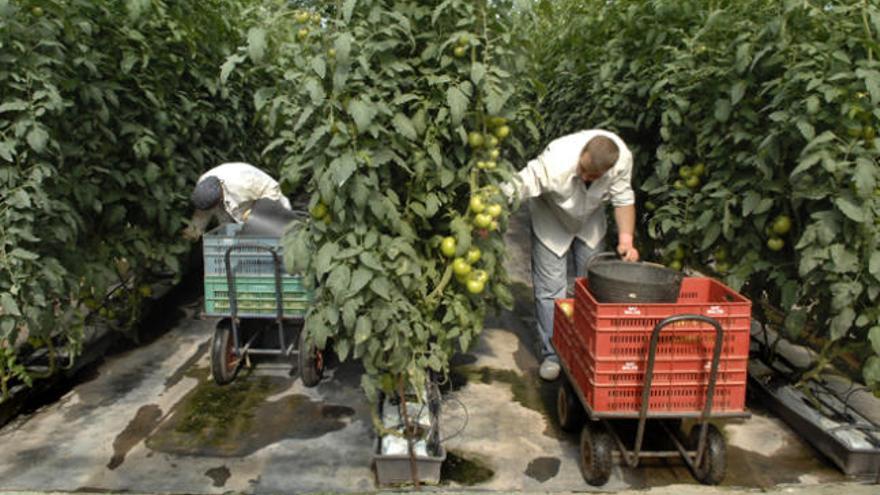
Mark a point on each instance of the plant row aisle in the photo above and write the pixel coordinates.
(754, 125)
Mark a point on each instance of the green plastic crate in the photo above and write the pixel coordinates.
(245, 261)
(256, 296)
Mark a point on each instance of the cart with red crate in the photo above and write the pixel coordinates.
(657, 364)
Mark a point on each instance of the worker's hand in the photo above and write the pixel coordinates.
(191, 233)
(625, 248)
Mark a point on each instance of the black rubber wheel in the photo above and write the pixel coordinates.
(224, 363)
(568, 407)
(714, 463)
(311, 365)
(596, 450)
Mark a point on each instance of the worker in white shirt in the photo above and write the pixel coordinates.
(568, 186)
(227, 192)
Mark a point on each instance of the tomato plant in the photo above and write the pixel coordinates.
(110, 111)
(388, 134)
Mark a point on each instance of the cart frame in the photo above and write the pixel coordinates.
(227, 359)
(693, 458)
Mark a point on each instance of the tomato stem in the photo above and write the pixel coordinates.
(444, 281)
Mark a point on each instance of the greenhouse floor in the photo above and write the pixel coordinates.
(149, 421)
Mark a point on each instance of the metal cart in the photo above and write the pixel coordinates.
(245, 282)
(704, 451)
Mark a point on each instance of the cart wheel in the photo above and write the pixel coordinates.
(714, 463)
(311, 365)
(596, 450)
(568, 408)
(224, 364)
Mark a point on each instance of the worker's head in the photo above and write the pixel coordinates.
(599, 155)
(208, 193)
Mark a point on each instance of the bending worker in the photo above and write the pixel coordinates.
(568, 186)
(227, 193)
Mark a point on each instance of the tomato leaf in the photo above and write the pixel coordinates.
(256, 39)
(404, 126)
(457, 102)
(849, 208)
(841, 323)
(874, 338)
(871, 371)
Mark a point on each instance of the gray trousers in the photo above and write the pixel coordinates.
(550, 280)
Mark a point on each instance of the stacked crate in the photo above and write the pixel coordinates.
(605, 349)
(254, 271)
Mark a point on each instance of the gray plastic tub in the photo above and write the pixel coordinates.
(395, 469)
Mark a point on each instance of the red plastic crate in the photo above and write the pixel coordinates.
(670, 392)
(620, 331)
(665, 398)
(679, 372)
(606, 350)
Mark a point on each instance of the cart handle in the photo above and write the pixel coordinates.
(230, 278)
(649, 376)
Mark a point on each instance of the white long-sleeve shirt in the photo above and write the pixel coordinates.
(242, 185)
(561, 205)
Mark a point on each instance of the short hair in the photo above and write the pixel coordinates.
(603, 154)
(207, 193)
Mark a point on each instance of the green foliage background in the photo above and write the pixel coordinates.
(781, 103)
(110, 110)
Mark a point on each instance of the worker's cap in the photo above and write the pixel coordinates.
(207, 193)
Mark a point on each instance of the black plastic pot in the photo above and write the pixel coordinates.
(616, 281)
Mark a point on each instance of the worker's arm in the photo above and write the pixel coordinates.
(197, 224)
(533, 180)
(625, 216)
(623, 199)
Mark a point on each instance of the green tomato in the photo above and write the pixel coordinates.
(475, 286)
(448, 246)
(685, 172)
(678, 184)
(496, 121)
(474, 255)
(699, 169)
(675, 265)
(476, 204)
(775, 244)
(482, 220)
(319, 211)
(678, 253)
(461, 267)
(475, 139)
(494, 210)
(502, 132)
(781, 225)
(481, 275)
(494, 153)
(692, 182)
(459, 51)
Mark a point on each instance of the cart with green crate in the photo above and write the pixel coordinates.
(245, 280)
